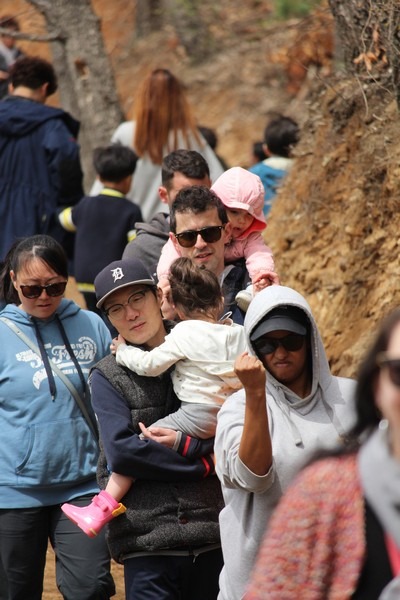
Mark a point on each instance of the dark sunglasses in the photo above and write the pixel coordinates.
(291, 343)
(187, 239)
(52, 289)
(392, 365)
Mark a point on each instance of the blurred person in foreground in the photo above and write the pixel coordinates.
(336, 532)
(291, 405)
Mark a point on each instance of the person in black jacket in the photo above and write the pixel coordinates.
(103, 223)
(40, 170)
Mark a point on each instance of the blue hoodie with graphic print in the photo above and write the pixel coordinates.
(48, 453)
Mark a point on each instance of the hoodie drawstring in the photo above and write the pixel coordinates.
(72, 355)
(285, 408)
(46, 361)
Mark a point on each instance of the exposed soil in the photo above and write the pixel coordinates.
(334, 226)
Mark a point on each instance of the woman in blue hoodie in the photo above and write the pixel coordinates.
(48, 444)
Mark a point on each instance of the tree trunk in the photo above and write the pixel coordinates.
(185, 17)
(148, 16)
(370, 37)
(86, 80)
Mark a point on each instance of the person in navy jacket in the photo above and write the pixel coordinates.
(40, 170)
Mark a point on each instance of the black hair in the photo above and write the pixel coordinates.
(9, 22)
(258, 151)
(115, 162)
(209, 135)
(32, 72)
(196, 199)
(368, 416)
(367, 412)
(188, 162)
(23, 251)
(281, 134)
(193, 288)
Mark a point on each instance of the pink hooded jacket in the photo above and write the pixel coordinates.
(237, 188)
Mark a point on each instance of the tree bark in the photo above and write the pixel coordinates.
(86, 80)
(149, 16)
(370, 38)
(185, 17)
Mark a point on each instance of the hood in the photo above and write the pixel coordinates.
(325, 388)
(158, 226)
(277, 295)
(238, 188)
(19, 116)
(67, 308)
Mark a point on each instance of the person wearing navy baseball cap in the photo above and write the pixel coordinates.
(167, 531)
(118, 275)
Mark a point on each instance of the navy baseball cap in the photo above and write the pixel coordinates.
(120, 274)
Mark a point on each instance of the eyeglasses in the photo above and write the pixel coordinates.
(52, 289)
(392, 365)
(135, 302)
(187, 239)
(291, 343)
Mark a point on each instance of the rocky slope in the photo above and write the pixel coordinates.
(334, 227)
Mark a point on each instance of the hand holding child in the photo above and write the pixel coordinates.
(263, 280)
(161, 435)
(116, 343)
(167, 306)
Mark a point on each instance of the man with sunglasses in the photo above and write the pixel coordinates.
(290, 406)
(180, 168)
(200, 230)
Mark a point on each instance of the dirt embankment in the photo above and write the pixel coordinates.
(334, 227)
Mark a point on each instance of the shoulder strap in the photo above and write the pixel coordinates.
(74, 392)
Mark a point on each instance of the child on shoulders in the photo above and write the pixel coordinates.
(242, 194)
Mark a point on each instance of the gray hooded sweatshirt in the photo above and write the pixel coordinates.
(298, 427)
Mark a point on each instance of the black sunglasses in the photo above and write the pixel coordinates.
(392, 365)
(187, 239)
(291, 343)
(52, 289)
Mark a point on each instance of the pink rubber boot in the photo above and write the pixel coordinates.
(92, 518)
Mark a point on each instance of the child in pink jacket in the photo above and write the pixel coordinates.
(242, 194)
